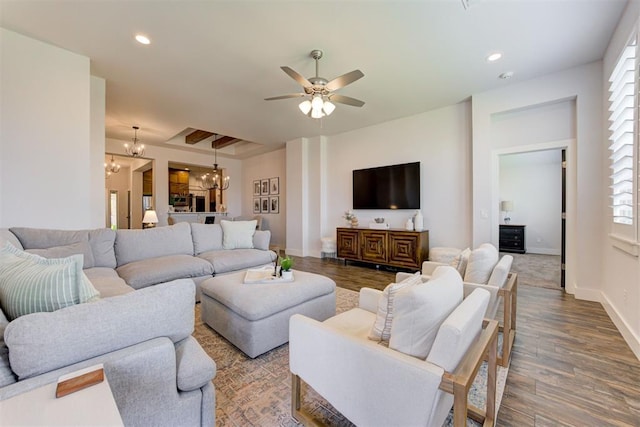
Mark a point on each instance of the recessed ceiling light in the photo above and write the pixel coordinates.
(505, 76)
(494, 57)
(142, 39)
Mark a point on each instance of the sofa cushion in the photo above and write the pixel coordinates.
(64, 242)
(79, 248)
(30, 283)
(206, 237)
(261, 239)
(42, 342)
(146, 272)
(238, 234)
(102, 241)
(8, 236)
(381, 328)
(6, 374)
(420, 310)
(136, 245)
(225, 261)
(481, 263)
(107, 282)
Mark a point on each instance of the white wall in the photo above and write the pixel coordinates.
(96, 151)
(320, 172)
(264, 166)
(45, 132)
(620, 289)
(533, 181)
(162, 156)
(120, 182)
(584, 214)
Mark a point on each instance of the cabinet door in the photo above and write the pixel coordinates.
(374, 246)
(403, 249)
(348, 244)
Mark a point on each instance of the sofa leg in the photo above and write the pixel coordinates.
(509, 296)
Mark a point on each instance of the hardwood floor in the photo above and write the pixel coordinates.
(569, 367)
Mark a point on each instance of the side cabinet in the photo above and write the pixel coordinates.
(395, 247)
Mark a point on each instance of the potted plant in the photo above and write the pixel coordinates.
(285, 268)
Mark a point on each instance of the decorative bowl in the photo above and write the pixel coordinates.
(379, 220)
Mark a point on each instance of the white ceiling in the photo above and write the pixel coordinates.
(211, 63)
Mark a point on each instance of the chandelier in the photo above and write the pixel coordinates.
(214, 180)
(111, 167)
(135, 150)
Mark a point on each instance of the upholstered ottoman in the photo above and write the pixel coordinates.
(255, 317)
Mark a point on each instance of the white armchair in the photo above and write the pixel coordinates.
(374, 385)
(498, 279)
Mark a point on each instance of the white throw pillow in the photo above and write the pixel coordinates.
(481, 263)
(30, 283)
(420, 310)
(460, 261)
(381, 329)
(238, 234)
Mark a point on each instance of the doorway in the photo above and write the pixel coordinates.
(534, 178)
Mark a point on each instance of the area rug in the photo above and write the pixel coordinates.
(257, 392)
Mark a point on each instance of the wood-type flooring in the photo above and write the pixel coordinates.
(569, 367)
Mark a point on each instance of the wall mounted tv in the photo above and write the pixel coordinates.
(387, 187)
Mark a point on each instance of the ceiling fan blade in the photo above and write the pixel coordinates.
(290, 95)
(297, 76)
(346, 100)
(344, 80)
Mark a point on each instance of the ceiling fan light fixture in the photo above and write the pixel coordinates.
(328, 107)
(317, 113)
(316, 102)
(305, 107)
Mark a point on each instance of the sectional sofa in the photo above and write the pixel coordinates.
(118, 262)
(140, 328)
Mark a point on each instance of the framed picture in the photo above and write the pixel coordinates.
(264, 204)
(256, 187)
(274, 204)
(264, 187)
(274, 185)
(256, 204)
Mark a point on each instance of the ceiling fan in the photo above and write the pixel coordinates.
(320, 90)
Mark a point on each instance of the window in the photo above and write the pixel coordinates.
(623, 138)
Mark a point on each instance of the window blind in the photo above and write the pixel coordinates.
(623, 127)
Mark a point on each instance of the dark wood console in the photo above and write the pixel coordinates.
(394, 247)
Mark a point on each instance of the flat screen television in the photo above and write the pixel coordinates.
(387, 187)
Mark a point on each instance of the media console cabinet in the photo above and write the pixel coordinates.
(393, 247)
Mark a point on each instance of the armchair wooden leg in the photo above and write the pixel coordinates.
(296, 403)
(509, 296)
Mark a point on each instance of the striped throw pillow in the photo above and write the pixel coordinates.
(381, 329)
(30, 283)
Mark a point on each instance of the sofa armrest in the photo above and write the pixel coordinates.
(368, 299)
(492, 308)
(324, 357)
(83, 331)
(428, 267)
(194, 366)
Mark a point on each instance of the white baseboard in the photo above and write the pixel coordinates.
(543, 251)
(588, 294)
(294, 252)
(629, 336)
